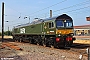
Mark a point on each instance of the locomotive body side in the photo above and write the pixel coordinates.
(53, 32)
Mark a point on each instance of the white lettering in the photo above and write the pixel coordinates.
(22, 30)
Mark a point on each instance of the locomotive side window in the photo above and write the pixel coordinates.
(51, 25)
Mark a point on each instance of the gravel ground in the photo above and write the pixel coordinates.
(34, 52)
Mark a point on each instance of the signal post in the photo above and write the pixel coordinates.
(88, 19)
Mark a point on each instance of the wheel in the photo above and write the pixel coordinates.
(30, 41)
(55, 46)
(21, 40)
(44, 45)
(44, 42)
(51, 43)
(17, 41)
(14, 39)
(37, 43)
(51, 46)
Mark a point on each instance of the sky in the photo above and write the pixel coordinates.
(16, 10)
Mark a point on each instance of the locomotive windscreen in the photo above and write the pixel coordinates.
(68, 23)
(64, 23)
(59, 23)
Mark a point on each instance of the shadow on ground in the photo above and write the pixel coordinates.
(80, 46)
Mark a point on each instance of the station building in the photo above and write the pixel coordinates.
(82, 30)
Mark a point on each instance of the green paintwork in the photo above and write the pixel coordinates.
(41, 28)
(52, 30)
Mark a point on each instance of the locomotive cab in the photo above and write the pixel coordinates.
(64, 31)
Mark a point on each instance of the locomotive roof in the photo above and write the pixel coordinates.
(47, 19)
(59, 17)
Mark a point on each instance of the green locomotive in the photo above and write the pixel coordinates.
(54, 32)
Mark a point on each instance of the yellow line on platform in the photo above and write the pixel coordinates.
(6, 37)
(82, 41)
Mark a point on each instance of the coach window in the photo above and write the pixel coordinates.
(51, 25)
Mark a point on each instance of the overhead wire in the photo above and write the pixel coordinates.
(78, 9)
(79, 4)
(82, 11)
(52, 6)
(65, 8)
(36, 11)
(12, 9)
(48, 7)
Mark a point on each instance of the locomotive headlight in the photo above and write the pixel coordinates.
(59, 35)
(71, 34)
(60, 32)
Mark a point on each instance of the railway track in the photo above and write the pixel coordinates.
(34, 52)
